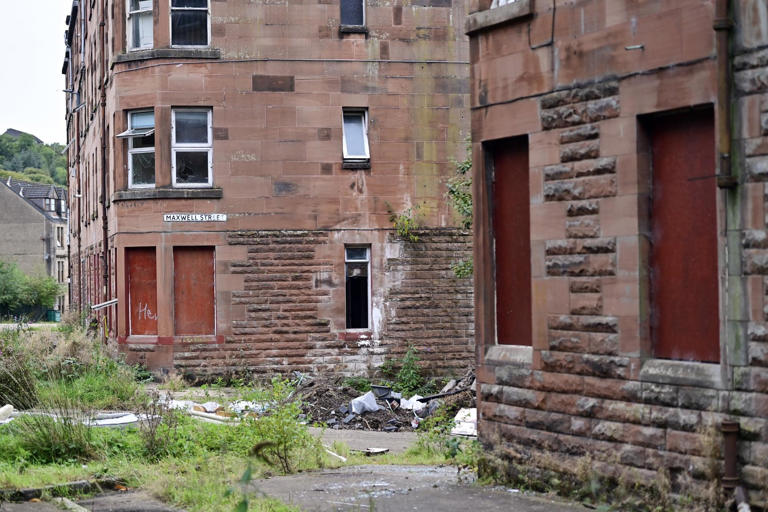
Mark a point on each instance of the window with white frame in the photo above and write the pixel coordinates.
(140, 24)
(357, 266)
(352, 13)
(191, 147)
(355, 128)
(190, 23)
(141, 148)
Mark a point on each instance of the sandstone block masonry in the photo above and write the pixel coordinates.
(589, 382)
(287, 321)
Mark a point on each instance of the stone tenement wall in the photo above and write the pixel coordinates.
(288, 322)
(427, 306)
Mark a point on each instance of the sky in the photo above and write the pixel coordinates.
(31, 54)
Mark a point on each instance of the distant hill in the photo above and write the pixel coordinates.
(25, 157)
(13, 132)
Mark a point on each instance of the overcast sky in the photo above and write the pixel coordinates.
(32, 52)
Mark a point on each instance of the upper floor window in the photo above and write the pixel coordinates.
(355, 128)
(141, 149)
(190, 23)
(353, 13)
(191, 147)
(139, 24)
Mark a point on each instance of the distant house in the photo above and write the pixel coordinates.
(18, 133)
(33, 220)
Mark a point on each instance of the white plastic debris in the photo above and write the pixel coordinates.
(211, 407)
(365, 403)
(181, 405)
(5, 413)
(116, 421)
(412, 404)
(243, 406)
(466, 423)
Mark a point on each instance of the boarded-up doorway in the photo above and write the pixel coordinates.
(194, 310)
(683, 258)
(141, 276)
(512, 241)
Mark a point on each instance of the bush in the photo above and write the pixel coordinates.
(283, 440)
(19, 291)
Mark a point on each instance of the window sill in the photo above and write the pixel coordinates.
(167, 193)
(168, 53)
(682, 373)
(489, 18)
(356, 164)
(509, 355)
(353, 29)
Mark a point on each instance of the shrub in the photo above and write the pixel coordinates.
(284, 441)
(409, 378)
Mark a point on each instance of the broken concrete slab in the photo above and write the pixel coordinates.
(398, 488)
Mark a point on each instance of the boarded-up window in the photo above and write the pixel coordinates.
(141, 277)
(683, 257)
(194, 310)
(512, 241)
(352, 12)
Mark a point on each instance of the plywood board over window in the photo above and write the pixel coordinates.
(142, 290)
(193, 291)
(683, 260)
(512, 241)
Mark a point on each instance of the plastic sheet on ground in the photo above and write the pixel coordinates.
(412, 404)
(365, 403)
(466, 423)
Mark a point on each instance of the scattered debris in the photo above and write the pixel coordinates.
(327, 400)
(334, 454)
(364, 403)
(372, 451)
(5, 413)
(466, 423)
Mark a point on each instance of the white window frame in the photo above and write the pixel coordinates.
(130, 134)
(207, 10)
(347, 156)
(196, 147)
(368, 298)
(129, 26)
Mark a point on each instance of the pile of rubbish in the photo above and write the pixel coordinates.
(381, 408)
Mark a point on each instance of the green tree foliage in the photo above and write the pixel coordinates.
(31, 160)
(19, 290)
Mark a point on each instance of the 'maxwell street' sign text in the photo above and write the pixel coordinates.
(194, 217)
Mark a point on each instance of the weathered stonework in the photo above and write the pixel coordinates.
(590, 385)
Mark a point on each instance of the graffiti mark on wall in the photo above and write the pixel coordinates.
(145, 313)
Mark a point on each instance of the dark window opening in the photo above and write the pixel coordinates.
(352, 12)
(189, 22)
(357, 270)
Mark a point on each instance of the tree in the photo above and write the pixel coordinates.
(19, 291)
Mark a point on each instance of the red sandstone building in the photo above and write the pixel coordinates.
(234, 165)
(620, 252)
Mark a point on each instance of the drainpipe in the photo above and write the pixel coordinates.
(104, 172)
(723, 27)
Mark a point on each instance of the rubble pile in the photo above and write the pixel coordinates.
(329, 402)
